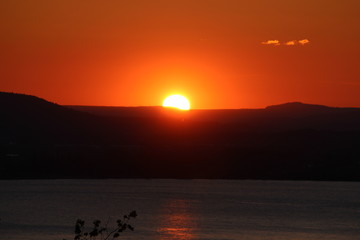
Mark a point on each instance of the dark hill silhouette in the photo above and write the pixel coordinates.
(288, 116)
(299, 107)
(40, 139)
(27, 119)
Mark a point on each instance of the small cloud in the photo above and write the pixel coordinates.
(304, 41)
(271, 42)
(287, 43)
(290, 43)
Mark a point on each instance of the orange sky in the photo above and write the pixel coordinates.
(136, 52)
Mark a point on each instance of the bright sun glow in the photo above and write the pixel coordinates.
(177, 101)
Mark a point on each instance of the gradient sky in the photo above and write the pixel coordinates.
(218, 53)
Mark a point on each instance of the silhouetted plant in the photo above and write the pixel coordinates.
(103, 232)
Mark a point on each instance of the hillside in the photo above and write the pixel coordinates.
(288, 116)
(40, 139)
(28, 119)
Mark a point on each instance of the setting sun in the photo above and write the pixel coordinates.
(177, 101)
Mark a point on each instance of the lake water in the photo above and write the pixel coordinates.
(183, 209)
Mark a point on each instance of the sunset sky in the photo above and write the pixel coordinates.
(218, 53)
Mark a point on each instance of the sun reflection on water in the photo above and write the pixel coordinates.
(178, 222)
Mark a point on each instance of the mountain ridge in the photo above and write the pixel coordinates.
(26, 98)
(40, 139)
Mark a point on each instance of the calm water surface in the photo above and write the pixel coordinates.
(183, 209)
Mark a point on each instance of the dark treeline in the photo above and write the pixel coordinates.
(298, 141)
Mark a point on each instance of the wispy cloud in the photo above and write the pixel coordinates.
(301, 42)
(304, 41)
(290, 43)
(271, 42)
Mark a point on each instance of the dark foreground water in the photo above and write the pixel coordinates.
(183, 209)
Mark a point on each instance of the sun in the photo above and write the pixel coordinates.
(177, 101)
